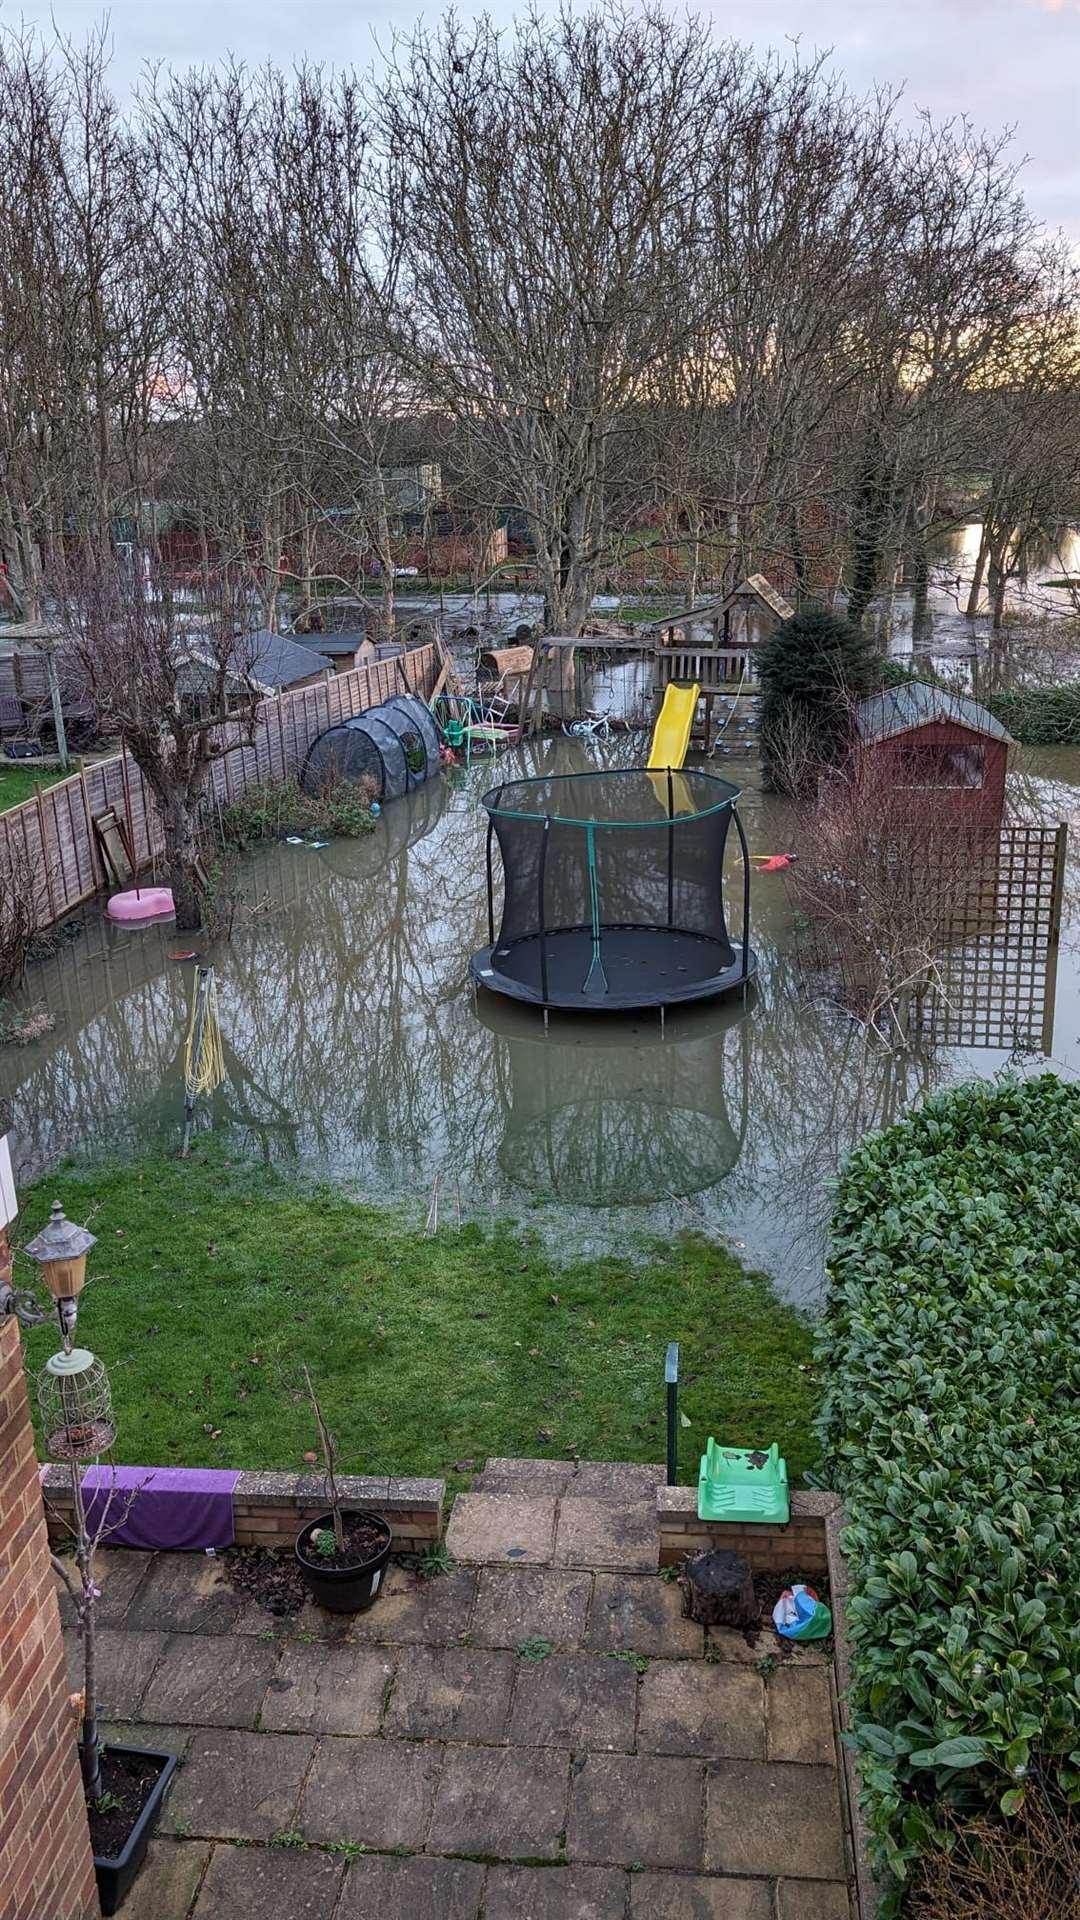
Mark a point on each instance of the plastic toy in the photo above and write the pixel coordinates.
(742, 1483)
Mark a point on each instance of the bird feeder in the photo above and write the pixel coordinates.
(76, 1406)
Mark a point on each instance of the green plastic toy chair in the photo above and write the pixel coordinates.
(742, 1483)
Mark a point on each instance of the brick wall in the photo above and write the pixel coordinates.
(800, 1546)
(47, 1870)
(269, 1509)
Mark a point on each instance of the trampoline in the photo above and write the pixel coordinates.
(395, 746)
(613, 891)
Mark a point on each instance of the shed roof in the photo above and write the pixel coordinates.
(916, 703)
(278, 661)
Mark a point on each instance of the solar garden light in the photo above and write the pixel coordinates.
(60, 1250)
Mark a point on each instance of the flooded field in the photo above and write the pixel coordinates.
(356, 1049)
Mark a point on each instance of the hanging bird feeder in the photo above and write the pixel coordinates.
(76, 1406)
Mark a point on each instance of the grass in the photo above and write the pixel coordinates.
(213, 1284)
(21, 782)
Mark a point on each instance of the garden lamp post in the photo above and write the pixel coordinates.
(60, 1250)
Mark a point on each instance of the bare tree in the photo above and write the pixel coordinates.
(178, 696)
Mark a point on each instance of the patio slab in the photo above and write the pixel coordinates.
(501, 1475)
(524, 1603)
(669, 1896)
(763, 1818)
(418, 1889)
(328, 1689)
(247, 1883)
(799, 1716)
(451, 1693)
(210, 1680)
(125, 1663)
(118, 1572)
(502, 1802)
(693, 1707)
(812, 1900)
(184, 1593)
(238, 1786)
(555, 1893)
(636, 1810)
(642, 1613)
(517, 1528)
(373, 1793)
(412, 1610)
(603, 1533)
(167, 1880)
(578, 1700)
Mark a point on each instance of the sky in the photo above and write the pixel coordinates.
(1003, 63)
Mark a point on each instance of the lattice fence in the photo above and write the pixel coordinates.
(999, 970)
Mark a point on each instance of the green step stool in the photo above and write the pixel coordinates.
(742, 1483)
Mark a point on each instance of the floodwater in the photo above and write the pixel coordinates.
(356, 1048)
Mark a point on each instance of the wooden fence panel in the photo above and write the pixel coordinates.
(54, 830)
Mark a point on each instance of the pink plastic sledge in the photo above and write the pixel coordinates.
(148, 903)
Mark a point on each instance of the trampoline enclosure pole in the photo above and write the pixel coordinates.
(490, 887)
(541, 876)
(670, 849)
(745, 892)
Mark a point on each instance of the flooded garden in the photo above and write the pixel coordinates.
(358, 1051)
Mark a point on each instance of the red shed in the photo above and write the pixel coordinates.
(922, 738)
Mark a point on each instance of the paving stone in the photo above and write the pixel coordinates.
(642, 1613)
(575, 1700)
(596, 1533)
(327, 1689)
(630, 1809)
(132, 1733)
(125, 1662)
(118, 1571)
(812, 1900)
(623, 1481)
(209, 1680)
(451, 1693)
(729, 1646)
(512, 1527)
(760, 1818)
(420, 1889)
(376, 1793)
(251, 1883)
(691, 1706)
(410, 1609)
(166, 1882)
(501, 1801)
(555, 1893)
(799, 1717)
(185, 1593)
(524, 1476)
(524, 1603)
(694, 1896)
(255, 1622)
(238, 1786)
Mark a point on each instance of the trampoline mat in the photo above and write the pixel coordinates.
(642, 967)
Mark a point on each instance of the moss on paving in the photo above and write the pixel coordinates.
(212, 1285)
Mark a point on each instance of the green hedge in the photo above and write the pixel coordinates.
(1040, 716)
(951, 1426)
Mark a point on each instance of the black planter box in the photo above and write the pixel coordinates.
(116, 1873)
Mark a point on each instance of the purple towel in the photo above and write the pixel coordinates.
(183, 1508)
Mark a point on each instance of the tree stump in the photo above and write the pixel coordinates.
(718, 1589)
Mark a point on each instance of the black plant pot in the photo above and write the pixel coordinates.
(343, 1589)
(115, 1873)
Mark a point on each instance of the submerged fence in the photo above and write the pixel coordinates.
(54, 832)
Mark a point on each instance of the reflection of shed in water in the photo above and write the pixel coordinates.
(609, 1113)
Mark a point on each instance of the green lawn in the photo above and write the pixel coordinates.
(213, 1284)
(21, 782)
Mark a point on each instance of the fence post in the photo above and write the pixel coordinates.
(671, 1382)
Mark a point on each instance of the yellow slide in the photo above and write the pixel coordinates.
(671, 734)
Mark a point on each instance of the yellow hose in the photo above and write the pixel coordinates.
(203, 1074)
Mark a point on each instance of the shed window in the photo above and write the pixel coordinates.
(923, 765)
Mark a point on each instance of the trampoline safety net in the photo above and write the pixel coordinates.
(613, 890)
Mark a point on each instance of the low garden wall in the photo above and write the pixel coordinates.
(269, 1509)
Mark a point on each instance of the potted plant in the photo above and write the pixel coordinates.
(342, 1554)
(125, 1786)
